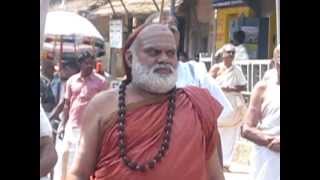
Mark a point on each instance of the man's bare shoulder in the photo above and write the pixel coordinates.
(260, 88)
(104, 103)
(213, 70)
(215, 67)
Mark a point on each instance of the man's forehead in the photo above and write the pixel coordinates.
(158, 34)
(155, 28)
(158, 41)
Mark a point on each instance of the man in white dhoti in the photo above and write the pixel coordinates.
(272, 74)
(262, 127)
(192, 73)
(232, 81)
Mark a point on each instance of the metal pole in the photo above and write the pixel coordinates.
(155, 4)
(214, 39)
(113, 11)
(124, 7)
(110, 61)
(161, 11)
(173, 7)
(61, 51)
(278, 20)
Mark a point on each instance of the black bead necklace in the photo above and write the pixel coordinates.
(121, 132)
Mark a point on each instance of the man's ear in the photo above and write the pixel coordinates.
(129, 57)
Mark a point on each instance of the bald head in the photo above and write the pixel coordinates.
(167, 19)
(151, 33)
(228, 47)
(228, 52)
(276, 54)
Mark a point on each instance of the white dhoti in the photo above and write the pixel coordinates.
(265, 164)
(229, 127)
(66, 150)
(229, 136)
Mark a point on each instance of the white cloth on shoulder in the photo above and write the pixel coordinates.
(232, 77)
(193, 73)
(271, 75)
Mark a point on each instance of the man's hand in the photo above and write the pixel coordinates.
(275, 144)
(48, 155)
(226, 89)
(53, 117)
(61, 129)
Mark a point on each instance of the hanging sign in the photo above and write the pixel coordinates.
(115, 33)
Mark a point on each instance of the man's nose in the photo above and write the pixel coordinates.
(163, 58)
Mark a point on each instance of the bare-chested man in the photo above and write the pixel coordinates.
(262, 126)
(148, 129)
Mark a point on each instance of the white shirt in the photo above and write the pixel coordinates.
(45, 126)
(241, 53)
(195, 74)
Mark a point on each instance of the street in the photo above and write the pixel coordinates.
(239, 168)
(236, 176)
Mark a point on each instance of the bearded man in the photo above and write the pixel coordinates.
(148, 129)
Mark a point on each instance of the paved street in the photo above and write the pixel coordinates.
(240, 165)
(236, 176)
(238, 172)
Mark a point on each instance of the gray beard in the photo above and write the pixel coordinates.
(145, 78)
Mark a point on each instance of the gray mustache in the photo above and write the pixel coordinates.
(171, 67)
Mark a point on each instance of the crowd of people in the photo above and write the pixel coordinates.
(168, 119)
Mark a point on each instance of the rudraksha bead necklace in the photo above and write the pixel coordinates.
(121, 132)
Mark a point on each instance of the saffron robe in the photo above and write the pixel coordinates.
(194, 137)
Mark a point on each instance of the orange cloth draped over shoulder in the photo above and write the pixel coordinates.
(194, 137)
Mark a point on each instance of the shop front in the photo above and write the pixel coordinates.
(259, 26)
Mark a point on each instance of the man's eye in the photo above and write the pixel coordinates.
(171, 53)
(152, 52)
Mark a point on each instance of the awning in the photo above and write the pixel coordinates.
(134, 7)
(72, 6)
